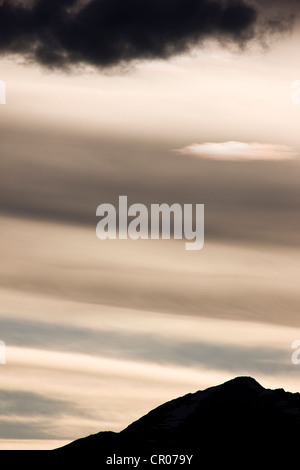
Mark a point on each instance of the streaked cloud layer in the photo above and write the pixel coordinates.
(239, 151)
(99, 333)
(103, 332)
(64, 178)
(80, 385)
(69, 261)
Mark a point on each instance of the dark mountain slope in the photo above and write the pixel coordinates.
(238, 422)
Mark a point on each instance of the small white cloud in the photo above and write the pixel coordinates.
(238, 151)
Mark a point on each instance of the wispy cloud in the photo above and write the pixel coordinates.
(238, 151)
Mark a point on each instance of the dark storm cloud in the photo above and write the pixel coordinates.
(105, 33)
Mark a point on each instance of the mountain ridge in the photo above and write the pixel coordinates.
(228, 422)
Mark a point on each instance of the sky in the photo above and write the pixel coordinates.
(185, 102)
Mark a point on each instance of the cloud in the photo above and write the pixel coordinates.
(26, 415)
(41, 182)
(27, 404)
(143, 347)
(106, 33)
(55, 394)
(238, 151)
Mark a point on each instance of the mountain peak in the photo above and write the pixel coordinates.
(233, 420)
(243, 382)
(175, 415)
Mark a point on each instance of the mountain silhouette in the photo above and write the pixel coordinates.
(238, 423)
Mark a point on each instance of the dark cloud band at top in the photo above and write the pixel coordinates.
(106, 33)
